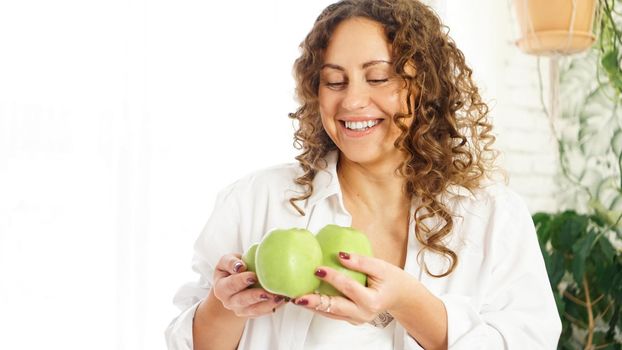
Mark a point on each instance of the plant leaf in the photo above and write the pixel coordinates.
(555, 269)
(574, 310)
(581, 250)
(613, 322)
(566, 229)
(609, 61)
(607, 248)
(542, 223)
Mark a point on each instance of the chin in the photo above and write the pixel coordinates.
(361, 156)
(373, 156)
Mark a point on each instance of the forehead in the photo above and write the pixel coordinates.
(356, 41)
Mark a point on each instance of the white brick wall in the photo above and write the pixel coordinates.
(524, 135)
(508, 80)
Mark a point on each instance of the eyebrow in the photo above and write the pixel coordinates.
(365, 65)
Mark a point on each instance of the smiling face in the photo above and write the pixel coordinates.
(359, 93)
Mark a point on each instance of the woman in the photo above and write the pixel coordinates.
(395, 142)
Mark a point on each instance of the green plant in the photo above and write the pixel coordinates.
(585, 271)
(610, 39)
(582, 245)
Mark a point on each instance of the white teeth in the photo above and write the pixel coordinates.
(360, 126)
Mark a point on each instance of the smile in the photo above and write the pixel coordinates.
(359, 128)
(361, 125)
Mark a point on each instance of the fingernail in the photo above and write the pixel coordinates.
(251, 280)
(344, 255)
(302, 302)
(278, 299)
(264, 297)
(320, 273)
(237, 266)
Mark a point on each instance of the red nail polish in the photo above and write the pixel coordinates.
(320, 273)
(251, 280)
(278, 299)
(302, 302)
(237, 266)
(344, 255)
(264, 297)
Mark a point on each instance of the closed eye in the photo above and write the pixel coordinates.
(377, 81)
(337, 85)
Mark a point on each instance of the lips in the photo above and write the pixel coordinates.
(359, 127)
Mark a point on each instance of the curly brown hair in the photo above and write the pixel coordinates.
(449, 141)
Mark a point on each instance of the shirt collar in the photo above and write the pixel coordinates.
(456, 191)
(326, 184)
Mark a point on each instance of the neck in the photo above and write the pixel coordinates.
(377, 187)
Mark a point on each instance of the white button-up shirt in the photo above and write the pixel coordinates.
(498, 296)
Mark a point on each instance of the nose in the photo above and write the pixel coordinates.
(356, 97)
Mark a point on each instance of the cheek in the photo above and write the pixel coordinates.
(326, 101)
(392, 102)
(396, 103)
(327, 122)
(392, 99)
(328, 109)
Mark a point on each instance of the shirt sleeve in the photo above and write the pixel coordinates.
(518, 310)
(515, 308)
(219, 236)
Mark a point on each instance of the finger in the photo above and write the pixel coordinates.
(263, 308)
(231, 263)
(334, 307)
(349, 287)
(365, 264)
(226, 287)
(248, 297)
(227, 265)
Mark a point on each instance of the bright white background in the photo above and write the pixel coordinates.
(119, 122)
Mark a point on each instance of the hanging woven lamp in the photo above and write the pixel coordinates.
(555, 27)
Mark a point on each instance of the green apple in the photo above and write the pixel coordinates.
(249, 260)
(286, 260)
(334, 239)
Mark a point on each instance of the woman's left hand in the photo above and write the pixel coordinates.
(360, 304)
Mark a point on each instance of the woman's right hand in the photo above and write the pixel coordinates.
(231, 287)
